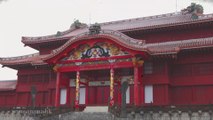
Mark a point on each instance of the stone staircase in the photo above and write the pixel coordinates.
(90, 109)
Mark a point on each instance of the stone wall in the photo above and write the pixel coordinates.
(148, 115)
(135, 116)
(82, 116)
(13, 115)
(171, 115)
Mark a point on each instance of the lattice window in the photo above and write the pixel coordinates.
(148, 68)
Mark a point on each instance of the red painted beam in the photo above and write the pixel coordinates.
(95, 59)
(95, 67)
(83, 83)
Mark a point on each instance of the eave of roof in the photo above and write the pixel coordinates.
(33, 59)
(144, 23)
(154, 49)
(176, 46)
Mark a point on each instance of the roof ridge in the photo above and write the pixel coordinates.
(104, 23)
(149, 22)
(143, 18)
(206, 15)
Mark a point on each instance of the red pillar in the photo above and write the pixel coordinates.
(138, 69)
(77, 86)
(111, 87)
(142, 101)
(87, 93)
(136, 87)
(57, 95)
(68, 96)
(119, 94)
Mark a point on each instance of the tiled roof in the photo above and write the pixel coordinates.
(176, 46)
(172, 47)
(116, 36)
(152, 22)
(8, 85)
(34, 59)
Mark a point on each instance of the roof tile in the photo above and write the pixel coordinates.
(127, 25)
(171, 47)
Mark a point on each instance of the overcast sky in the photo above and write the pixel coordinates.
(43, 17)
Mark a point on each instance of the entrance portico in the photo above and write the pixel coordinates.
(114, 57)
(96, 87)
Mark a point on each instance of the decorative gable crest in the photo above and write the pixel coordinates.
(98, 50)
(95, 52)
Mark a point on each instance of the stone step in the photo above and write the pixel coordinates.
(96, 109)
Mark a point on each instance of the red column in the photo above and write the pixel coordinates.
(119, 94)
(57, 95)
(77, 85)
(141, 85)
(136, 87)
(87, 93)
(111, 87)
(68, 96)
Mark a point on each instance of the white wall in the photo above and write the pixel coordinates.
(63, 96)
(82, 96)
(128, 95)
(148, 94)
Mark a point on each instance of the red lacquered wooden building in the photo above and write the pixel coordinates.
(166, 59)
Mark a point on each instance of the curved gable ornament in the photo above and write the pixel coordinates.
(100, 49)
